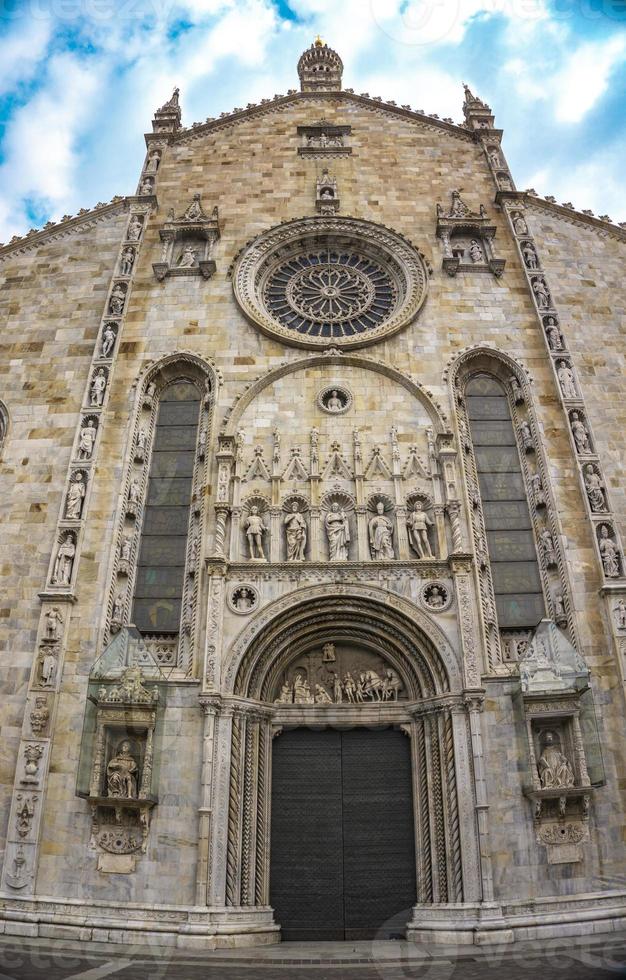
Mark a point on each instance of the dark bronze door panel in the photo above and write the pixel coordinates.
(342, 848)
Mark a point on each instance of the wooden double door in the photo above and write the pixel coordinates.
(342, 843)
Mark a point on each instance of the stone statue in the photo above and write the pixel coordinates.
(581, 435)
(418, 523)
(134, 491)
(516, 388)
(127, 261)
(118, 298)
(126, 548)
(436, 599)
(87, 439)
(39, 717)
(295, 530)
(595, 492)
(54, 620)
(122, 774)
(244, 600)
(255, 529)
(539, 496)
(48, 668)
(108, 340)
(349, 687)
(135, 227)
(301, 690)
(555, 771)
(566, 380)
(146, 186)
(64, 561)
(494, 157)
(98, 388)
(547, 544)
(476, 252)
(285, 696)
(194, 211)
(75, 495)
(608, 553)
(117, 613)
(187, 258)
(530, 255)
(142, 438)
(276, 450)
(521, 228)
(334, 403)
(559, 607)
(154, 159)
(337, 532)
(620, 614)
(321, 695)
(527, 437)
(541, 294)
(381, 535)
(553, 334)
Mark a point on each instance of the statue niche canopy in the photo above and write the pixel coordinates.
(328, 280)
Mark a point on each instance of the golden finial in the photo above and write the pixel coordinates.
(318, 42)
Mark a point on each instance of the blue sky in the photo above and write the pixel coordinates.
(80, 80)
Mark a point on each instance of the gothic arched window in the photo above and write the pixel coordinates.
(160, 577)
(510, 539)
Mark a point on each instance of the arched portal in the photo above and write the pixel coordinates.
(289, 672)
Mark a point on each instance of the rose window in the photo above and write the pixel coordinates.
(330, 281)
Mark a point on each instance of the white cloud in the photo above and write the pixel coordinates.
(22, 51)
(585, 77)
(595, 184)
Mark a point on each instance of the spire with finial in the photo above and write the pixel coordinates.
(477, 113)
(167, 118)
(320, 68)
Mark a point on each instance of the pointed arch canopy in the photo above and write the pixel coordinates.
(377, 620)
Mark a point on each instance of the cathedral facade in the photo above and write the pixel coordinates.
(313, 590)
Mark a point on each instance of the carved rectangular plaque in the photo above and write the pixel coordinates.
(116, 864)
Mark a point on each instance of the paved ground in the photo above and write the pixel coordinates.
(595, 959)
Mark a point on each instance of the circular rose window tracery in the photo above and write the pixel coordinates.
(330, 281)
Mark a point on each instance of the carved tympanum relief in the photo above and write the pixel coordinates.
(339, 675)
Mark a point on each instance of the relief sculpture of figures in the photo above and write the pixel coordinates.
(541, 294)
(108, 340)
(64, 561)
(553, 334)
(595, 491)
(75, 496)
(48, 668)
(521, 228)
(118, 298)
(54, 620)
(127, 261)
(530, 255)
(295, 530)
(338, 533)
(255, 529)
(134, 229)
(581, 435)
(87, 440)
(418, 523)
(547, 544)
(620, 614)
(555, 771)
(381, 535)
(187, 258)
(566, 380)
(608, 553)
(122, 774)
(476, 252)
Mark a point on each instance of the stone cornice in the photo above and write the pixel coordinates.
(575, 216)
(86, 218)
(374, 103)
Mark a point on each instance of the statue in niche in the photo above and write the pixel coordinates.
(516, 388)
(559, 607)
(620, 614)
(315, 439)
(187, 259)
(566, 380)
(530, 255)
(118, 298)
(255, 529)
(54, 621)
(328, 653)
(334, 402)
(301, 690)
(39, 716)
(135, 227)
(127, 261)
(134, 491)
(244, 599)
(608, 553)
(553, 334)
(146, 186)
(541, 294)
(527, 437)
(381, 535)
(49, 664)
(194, 211)
(418, 523)
(125, 548)
(595, 491)
(295, 530)
(108, 340)
(64, 561)
(580, 433)
(337, 687)
(555, 771)
(87, 439)
(521, 228)
(337, 532)
(547, 544)
(117, 613)
(539, 496)
(98, 388)
(435, 597)
(494, 157)
(154, 159)
(321, 695)
(122, 774)
(286, 695)
(475, 251)
(75, 496)
(142, 439)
